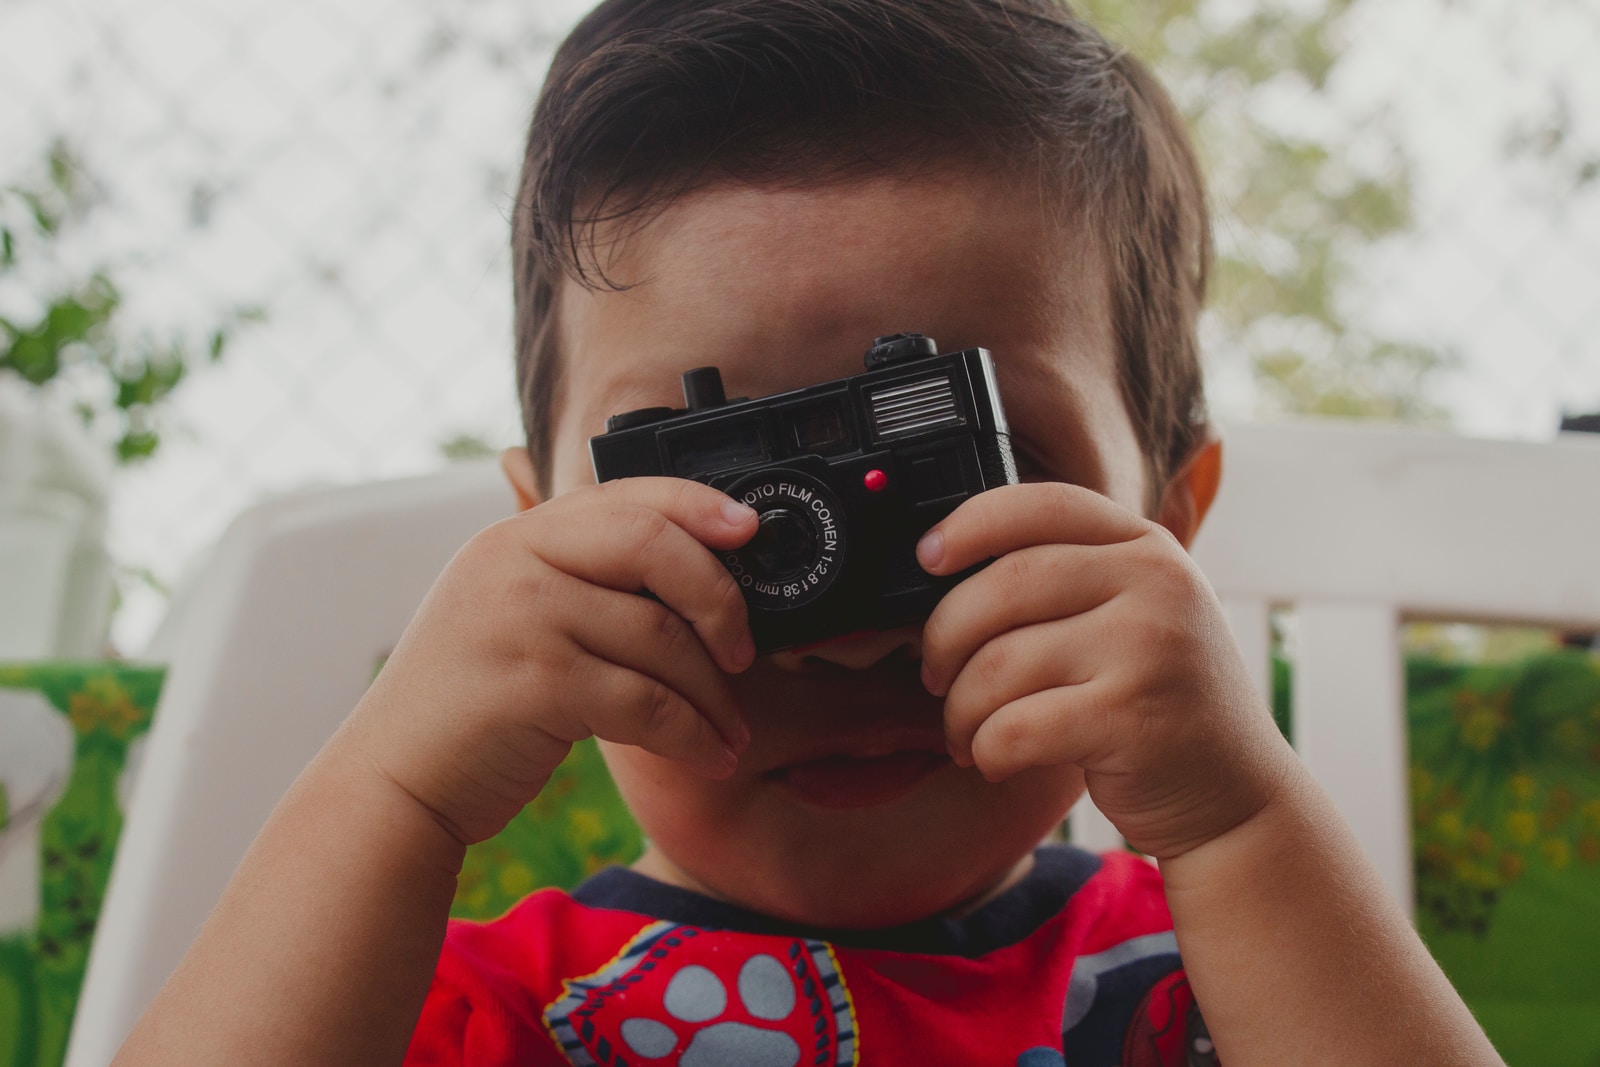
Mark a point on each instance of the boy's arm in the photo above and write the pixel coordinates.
(323, 946)
(1093, 640)
(1298, 953)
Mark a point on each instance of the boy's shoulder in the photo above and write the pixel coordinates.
(1066, 958)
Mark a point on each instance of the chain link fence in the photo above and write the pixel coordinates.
(346, 167)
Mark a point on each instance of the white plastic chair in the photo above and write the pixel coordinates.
(1355, 528)
(278, 639)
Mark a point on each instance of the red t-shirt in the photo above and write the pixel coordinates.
(1076, 964)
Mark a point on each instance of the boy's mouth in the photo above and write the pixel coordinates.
(861, 778)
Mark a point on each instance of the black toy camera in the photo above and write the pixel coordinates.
(846, 477)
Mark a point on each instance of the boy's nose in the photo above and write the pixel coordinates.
(856, 652)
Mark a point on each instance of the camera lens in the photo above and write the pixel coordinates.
(783, 546)
(798, 550)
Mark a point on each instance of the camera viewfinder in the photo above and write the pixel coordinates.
(820, 428)
(735, 444)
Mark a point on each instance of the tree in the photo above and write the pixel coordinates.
(68, 335)
(1295, 206)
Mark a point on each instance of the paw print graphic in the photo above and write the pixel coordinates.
(695, 995)
(696, 998)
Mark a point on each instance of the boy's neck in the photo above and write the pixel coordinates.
(655, 864)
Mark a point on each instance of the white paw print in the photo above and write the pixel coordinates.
(704, 998)
(695, 995)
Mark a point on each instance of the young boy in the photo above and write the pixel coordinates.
(842, 864)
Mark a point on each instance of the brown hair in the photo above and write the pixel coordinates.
(646, 99)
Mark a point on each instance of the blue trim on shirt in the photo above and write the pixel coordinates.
(1058, 872)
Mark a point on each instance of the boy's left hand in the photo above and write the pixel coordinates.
(1093, 639)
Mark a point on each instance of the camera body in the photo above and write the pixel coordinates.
(846, 477)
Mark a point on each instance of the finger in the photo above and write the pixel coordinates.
(630, 708)
(1051, 727)
(656, 642)
(708, 515)
(1021, 588)
(1016, 516)
(1045, 656)
(658, 537)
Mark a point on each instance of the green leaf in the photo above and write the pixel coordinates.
(134, 447)
(466, 446)
(30, 357)
(68, 320)
(80, 324)
(45, 217)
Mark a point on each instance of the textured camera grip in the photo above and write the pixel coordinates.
(995, 460)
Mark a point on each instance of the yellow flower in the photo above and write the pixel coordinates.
(1557, 852)
(1449, 824)
(103, 704)
(1591, 811)
(585, 826)
(1523, 826)
(1481, 719)
(1522, 786)
(516, 879)
(1481, 728)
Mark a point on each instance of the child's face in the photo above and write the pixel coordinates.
(844, 810)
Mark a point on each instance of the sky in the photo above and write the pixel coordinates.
(347, 164)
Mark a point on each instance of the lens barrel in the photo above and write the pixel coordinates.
(798, 550)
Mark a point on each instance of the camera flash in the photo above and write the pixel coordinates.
(876, 481)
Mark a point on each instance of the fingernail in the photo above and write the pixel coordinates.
(735, 513)
(740, 739)
(930, 550)
(727, 763)
(928, 680)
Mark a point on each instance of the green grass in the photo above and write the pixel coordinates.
(1534, 979)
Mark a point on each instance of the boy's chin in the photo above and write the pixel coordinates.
(891, 895)
(861, 885)
(949, 841)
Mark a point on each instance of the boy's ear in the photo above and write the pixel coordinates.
(1191, 490)
(518, 467)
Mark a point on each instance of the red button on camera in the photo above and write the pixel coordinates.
(876, 481)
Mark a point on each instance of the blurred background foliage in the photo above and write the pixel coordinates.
(351, 165)
(62, 327)
(1505, 778)
(1296, 203)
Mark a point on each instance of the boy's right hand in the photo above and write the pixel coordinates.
(535, 636)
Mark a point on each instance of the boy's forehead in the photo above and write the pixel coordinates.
(783, 287)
